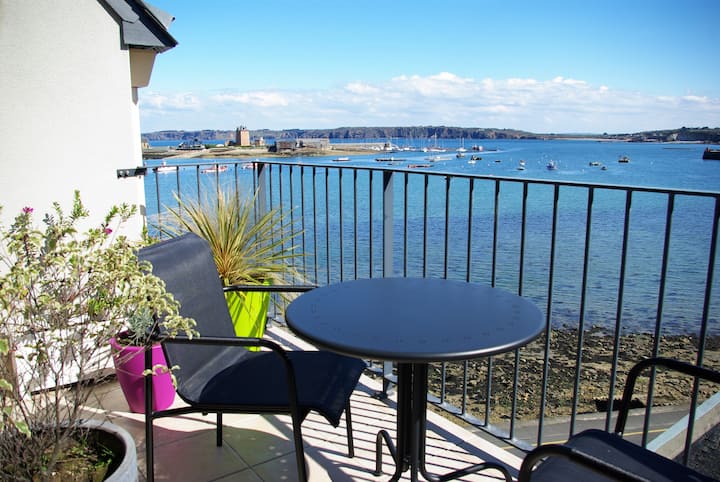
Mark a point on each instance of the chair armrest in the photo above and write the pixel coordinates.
(576, 456)
(270, 288)
(237, 341)
(635, 371)
(223, 341)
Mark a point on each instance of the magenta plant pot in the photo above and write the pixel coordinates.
(129, 366)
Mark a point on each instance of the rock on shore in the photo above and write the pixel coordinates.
(593, 391)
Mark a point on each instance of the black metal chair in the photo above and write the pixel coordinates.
(217, 374)
(597, 455)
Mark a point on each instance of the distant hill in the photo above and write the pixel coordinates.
(697, 134)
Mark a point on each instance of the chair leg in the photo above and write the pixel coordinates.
(219, 430)
(348, 428)
(299, 450)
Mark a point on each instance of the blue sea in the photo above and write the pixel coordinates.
(657, 165)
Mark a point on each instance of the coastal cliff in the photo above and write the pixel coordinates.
(683, 134)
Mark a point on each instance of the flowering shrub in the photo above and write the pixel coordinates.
(63, 295)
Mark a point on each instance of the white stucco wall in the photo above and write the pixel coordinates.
(68, 116)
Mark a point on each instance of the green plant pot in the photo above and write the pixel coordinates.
(248, 311)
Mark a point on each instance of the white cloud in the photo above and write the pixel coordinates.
(556, 105)
(178, 101)
(256, 98)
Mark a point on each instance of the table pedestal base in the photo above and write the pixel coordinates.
(411, 430)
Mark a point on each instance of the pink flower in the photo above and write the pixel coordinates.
(27, 210)
(107, 230)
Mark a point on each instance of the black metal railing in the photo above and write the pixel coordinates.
(621, 272)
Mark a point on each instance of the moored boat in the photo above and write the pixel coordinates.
(210, 170)
(711, 154)
(195, 145)
(552, 165)
(165, 168)
(624, 159)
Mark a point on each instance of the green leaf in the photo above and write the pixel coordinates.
(23, 428)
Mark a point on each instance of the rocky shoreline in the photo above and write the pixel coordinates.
(249, 152)
(597, 356)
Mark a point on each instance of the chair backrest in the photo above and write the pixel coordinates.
(187, 267)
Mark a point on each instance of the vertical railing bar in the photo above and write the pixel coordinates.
(548, 314)
(177, 183)
(327, 224)
(488, 389)
(659, 314)
(157, 198)
(291, 177)
(388, 223)
(370, 223)
(523, 232)
(315, 242)
(471, 196)
(269, 188)
(405, 224)
(426, 179)
(703, 330)
(256, 173)
(217, 179)
(236, 177)
(496, 215)
(281, 170)
(516, 373)
(583, 302)
(446, 244)
(464, 402)
(342, 225)
(302, 220)
(489, 377)
(197, 180)
(355, 222)
(281, 205)
(619, 310)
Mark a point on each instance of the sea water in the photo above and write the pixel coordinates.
(657, 165)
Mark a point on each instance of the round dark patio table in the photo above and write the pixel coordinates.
(414, 321)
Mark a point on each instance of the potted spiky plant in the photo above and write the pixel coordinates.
(63, 294)
(249, 248)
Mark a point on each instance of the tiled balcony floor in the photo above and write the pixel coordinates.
(259, 447)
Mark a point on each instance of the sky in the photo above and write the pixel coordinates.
(549, 66)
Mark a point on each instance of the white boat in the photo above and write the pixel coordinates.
(624, 159)
(195, 145)
(165, 168)
(210, 170)
(552, 166)
(341, 159)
